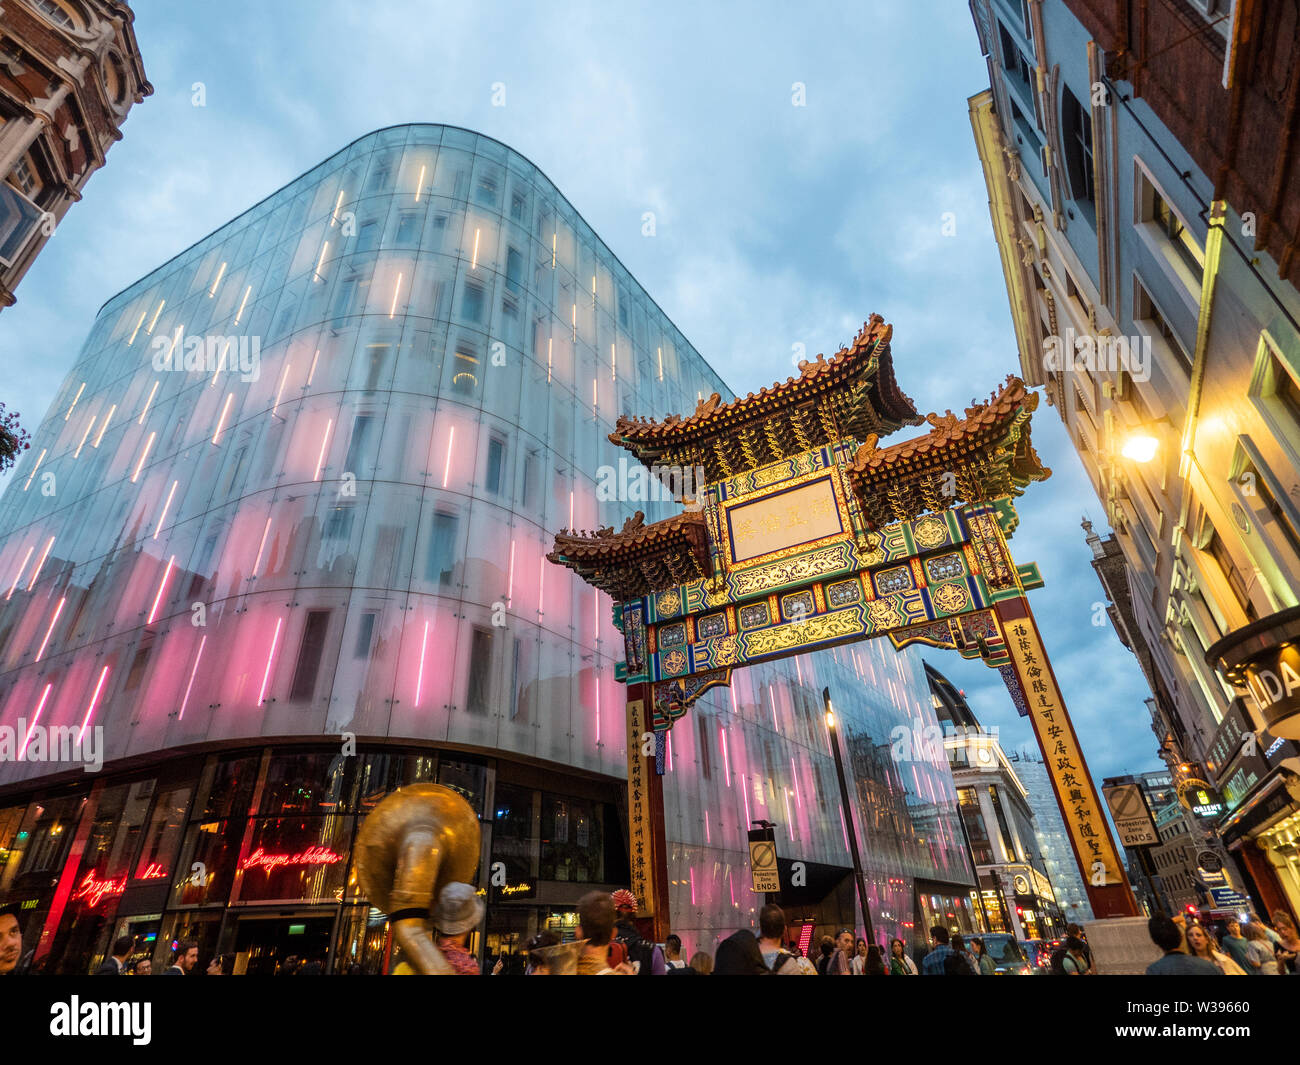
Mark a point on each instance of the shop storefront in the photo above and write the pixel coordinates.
(249, 853)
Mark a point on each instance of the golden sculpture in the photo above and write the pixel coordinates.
(417, 840)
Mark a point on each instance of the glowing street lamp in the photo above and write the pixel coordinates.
(1140, 447)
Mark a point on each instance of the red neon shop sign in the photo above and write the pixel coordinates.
(94, 890)
(259, 859)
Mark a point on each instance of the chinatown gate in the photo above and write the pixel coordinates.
(807, 534)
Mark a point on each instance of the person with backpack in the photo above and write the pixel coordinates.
(1074, 960)
(936, 962)
(824, 962)
(958, 962)
(628, 944)
(771, 927)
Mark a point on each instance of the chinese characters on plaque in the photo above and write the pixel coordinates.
(640, 839)
(1084, 817)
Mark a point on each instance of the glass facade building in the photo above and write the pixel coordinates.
(279, 547)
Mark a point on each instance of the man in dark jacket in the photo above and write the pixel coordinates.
(646, 957)
(115, 963)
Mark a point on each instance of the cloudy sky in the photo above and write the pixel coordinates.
(775, 224)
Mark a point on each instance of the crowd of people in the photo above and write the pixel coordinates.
(608, 943)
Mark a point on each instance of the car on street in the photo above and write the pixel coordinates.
(1009, 959)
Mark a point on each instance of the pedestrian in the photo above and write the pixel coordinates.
(934, 963)
(629, 945)
(875, 963)
(596, 916)
(115, 963)
(959, 963)
(184, 960)
(841, 963)
(859, 957)
(1078, 933)
(673, 952)
(1166, 935)
(458, 913)
(701, 963)
(1288, 939)
(983, 959)
(827, 948)
(142, 967)
(11, 940)
(1202, 945)
(537, 952)
(739, 955)
(1237, 947)
(771, 927)
(1261, 949)
(806, 967)
(1075, 960)
(899, 963)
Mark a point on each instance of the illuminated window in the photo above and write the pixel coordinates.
(465, 369)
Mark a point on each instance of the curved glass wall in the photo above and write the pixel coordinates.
(302, 479)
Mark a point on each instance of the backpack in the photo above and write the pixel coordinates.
(782, 956)
(823, 965)
(1058, 961)
(633, 949)
(955, 964)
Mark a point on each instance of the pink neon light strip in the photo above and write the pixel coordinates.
(266, 677)
(446, 469)
(44, 555)
(510, 581)
(166, 507)
(53, 621)
(795, 776)
(261, 547)
(419, 682)
(726, 760)
(789, 818)
(284, 376)
(186, 700)
(103, 675)
(597, 673)
(320, 461)
(19, 575)
(35, 718)
(153, 612)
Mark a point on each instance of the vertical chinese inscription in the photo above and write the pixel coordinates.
(1082, 809)
(640, 839)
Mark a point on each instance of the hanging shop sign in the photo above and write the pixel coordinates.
(1132, 817)
(1264, 659)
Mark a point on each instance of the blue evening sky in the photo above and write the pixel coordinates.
(775, 225)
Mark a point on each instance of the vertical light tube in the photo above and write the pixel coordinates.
(154, 320)
(261, 547)
(74, 401)
(661, 364)
(221, 424)
(148, 445)
(19, 575)
(37, 572)
(419, 680)
(40, 458)
(153, 611)
(152, 392)
(284, 376)
(510, 579)
(22, 751)
(242, 303)
(320, 460)
(419, 184)
(166, 506)
(77, 454)
(137, 327)
(473, 265)
(726, 757)
(53, 621)
(185, 702)
(220, 274)
(549, 342)
(312, 372)
(397, 288)
(94, 699)
(789, 817)
(446, 468)
(266, 677)
(320, 261)
(104, 425)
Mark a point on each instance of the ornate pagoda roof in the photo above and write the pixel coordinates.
(850, 395)
(639, 558)
(985, 456)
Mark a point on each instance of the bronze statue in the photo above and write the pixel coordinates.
(417, 840)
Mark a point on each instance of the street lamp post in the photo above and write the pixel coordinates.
(848, 815)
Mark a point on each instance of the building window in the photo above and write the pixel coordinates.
(471, 302)
(518, 204)
(488, 191)
(478, 696)
(1219, 551)
(356, 445)
(56, 13)
(1256, 485)
(465, 369)
(1172, 227)
(338, 525)
(365, 634)
(441, 559)
(706, 768)
(1008, 843)
(1276, 394)
(309, 654)
(1146, 311)
(496, 457)
(408, 228)
(514, 270)
(368, 236)
(1076, 133)
(24, 177)
(968, 804)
